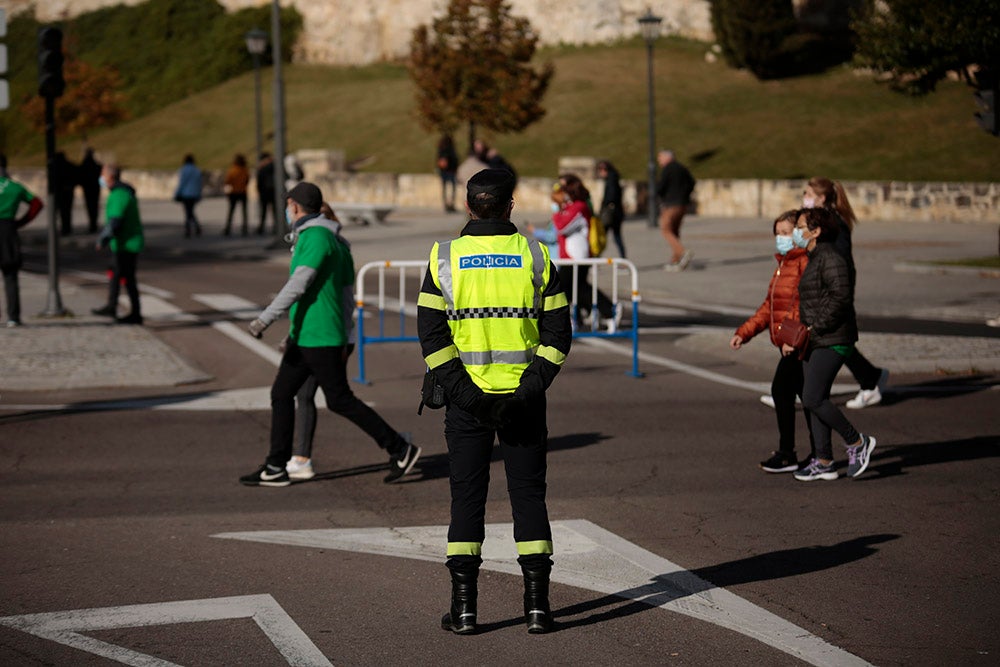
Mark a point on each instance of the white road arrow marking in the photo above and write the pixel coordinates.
(65, 626)
(591, 558)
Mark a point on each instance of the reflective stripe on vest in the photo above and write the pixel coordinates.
(493, 302)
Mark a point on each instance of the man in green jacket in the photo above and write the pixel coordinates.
(123, 233)
(12, 195)
(319, 298)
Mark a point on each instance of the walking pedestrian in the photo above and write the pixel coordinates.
(830, 195)
(265, 192)
(447, 166)
(319, 298)
(782, 300)
(123, 233)
(90, 175)
(12, 195)
(674, 192)
(300, 465)
(612, 211)
(188, 193)
(494, 330)
(235, 185)
(826, 306)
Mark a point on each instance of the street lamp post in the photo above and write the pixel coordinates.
(649, 25)
(279, 124)
(256, 45)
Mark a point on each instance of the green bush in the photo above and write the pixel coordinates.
(752, 32)
(164, 50)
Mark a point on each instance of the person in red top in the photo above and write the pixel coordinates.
(782, 299)
(571, 217)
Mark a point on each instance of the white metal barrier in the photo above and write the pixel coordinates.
(383, 303)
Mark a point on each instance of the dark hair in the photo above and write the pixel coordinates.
(825, 220)
(3, 161)
(188, 159)
(446, 142)
(791, 216)
(607, 166)
(240, 160)
(485, 205)
(574, 187)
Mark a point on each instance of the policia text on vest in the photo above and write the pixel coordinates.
(494, 329)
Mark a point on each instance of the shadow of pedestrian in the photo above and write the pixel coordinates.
(435, 466)
(895, 460)
(943, 388)
(666, 588)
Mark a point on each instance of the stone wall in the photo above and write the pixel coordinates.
(358, 32)
(871, 200)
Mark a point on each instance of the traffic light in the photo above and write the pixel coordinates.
(986, 98)
(50, 63)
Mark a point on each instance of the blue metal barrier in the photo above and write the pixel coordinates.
(382, 304)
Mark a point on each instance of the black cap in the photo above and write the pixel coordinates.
(496, 182)
(307, 196)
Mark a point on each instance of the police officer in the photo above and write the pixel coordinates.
(494, 330)
(12, 194)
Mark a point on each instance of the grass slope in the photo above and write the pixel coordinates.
(724, 123)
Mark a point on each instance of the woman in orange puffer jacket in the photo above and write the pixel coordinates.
(782, 299)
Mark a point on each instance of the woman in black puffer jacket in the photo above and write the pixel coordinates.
(826, 306)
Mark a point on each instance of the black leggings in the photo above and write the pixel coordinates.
(863, 371)
(820, 368)
(584, 292)
(329, 367)
(786, 385)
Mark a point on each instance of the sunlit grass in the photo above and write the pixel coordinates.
(723, 123)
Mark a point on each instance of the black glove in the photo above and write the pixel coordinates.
(507, 410)
(483, 410)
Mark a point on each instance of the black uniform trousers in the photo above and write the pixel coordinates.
(523, 447)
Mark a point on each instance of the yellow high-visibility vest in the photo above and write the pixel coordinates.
(492, 288)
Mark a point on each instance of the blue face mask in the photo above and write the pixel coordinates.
(798, 239)
(288, 217)
(103, 183)
(784, 244)
(555, 207)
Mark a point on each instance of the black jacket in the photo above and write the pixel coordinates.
(675, 185)
(826, 298)
(554, 329)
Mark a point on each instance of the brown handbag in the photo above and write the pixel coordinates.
(793, 333)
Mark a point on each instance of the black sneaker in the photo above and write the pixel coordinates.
(129, 319)
(400, 464)
(108, 311)
(780, 462)
(266, 476)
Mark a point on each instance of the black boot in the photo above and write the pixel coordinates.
(537, 614)
(461, 619)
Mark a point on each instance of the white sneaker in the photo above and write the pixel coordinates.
(869, 397)
(768, 400)
(300, 469)
(685, 260)
(615, 322)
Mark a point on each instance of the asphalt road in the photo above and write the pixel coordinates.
(118, 507)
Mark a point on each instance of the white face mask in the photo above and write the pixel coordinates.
(808, 202)
(798, 239)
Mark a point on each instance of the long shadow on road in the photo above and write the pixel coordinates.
(666, 588)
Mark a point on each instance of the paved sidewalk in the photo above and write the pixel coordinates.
(732, 265)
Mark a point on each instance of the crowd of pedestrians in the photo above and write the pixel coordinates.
(813, 286)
